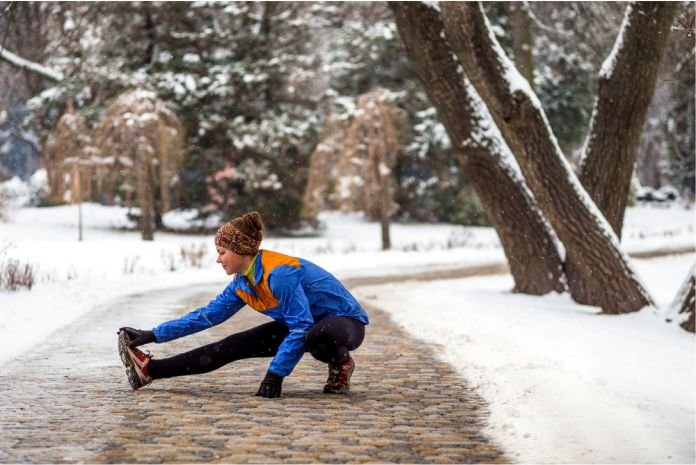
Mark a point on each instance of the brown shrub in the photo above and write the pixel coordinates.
(141, 139)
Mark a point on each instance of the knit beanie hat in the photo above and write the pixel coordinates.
(241, 235)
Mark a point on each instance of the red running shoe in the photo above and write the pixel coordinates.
(339, 378)
(135, 361)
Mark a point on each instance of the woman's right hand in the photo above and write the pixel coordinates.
(139, 337)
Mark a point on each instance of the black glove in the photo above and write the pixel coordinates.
(139, 337)
(270, 386)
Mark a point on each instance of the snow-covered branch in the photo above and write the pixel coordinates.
(37, 68)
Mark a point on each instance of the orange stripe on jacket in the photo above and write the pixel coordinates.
(266, 299)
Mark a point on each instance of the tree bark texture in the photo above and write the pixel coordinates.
(626, 86)
(685, 302)
(602, 267)
(534, 260)
(617, 120)
(522, 39)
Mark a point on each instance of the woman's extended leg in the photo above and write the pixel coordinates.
(261, 341)
(332, 338)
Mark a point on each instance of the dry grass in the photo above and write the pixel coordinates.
(15, 275)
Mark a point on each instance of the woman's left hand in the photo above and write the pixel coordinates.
(271, 386)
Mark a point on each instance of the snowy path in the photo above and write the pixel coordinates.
(67, 400)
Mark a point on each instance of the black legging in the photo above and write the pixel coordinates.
(329, 341)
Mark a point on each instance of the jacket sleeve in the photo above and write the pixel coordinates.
(218, 310)
(286, 285)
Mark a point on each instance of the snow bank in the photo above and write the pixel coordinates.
(565, 384)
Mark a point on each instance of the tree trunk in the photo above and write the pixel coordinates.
(626, 86)
(384, 227)
(522, 39)
(146, 197)
(607, 164)
(526, 237)
(602, 266)
(685, 301)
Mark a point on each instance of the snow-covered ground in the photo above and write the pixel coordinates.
(564, 384)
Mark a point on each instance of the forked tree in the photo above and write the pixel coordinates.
(601, 268)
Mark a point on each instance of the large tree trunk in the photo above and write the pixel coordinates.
(601, 264)
(617, 120)
(522, 39)
(526, 237)
(626, 85)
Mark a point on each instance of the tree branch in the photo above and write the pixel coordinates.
(37, 68)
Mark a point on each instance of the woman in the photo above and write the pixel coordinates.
(312, 310)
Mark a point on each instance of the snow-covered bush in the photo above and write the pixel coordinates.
(16, 193)
(663, 195)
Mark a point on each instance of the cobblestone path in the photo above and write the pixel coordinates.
(68, 400)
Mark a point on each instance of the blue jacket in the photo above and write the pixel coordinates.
(292, 291)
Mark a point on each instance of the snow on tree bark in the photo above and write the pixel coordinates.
(602, 267)
(522, 39)
(617, 120)
(609, 156)
(526, 237)
(684, 304)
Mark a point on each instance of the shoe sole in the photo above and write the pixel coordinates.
(132, 376)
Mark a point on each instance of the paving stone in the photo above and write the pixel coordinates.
(69, 401)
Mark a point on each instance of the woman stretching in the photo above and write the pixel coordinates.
(311, 309)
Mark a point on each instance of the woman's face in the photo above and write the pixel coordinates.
(230, 261)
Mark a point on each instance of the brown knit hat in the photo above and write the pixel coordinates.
(241, 235)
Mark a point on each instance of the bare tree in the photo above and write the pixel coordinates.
(527, 239)
(142, 138)
(66, 153)
(372, 139)
(352, 165)
(322, 168)
(602, 266)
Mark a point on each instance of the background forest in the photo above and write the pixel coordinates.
(227, 107)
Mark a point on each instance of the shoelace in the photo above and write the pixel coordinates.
(334, 375)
